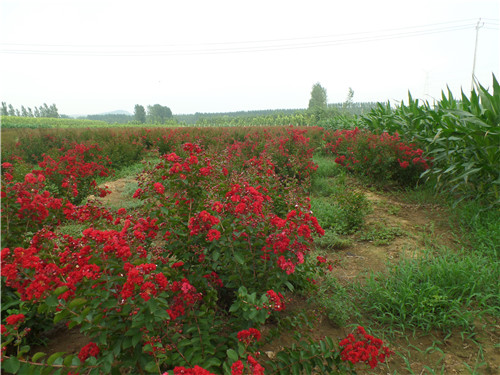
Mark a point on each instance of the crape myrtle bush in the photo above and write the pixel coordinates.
(183, 285)
(120, 146)
(380, 157)
(39, 198)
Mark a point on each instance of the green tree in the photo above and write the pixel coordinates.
(348, 101)
(12, 111)
(158, 114)
(318, 97)
(139, 114)
(5, 111)
(318, 102)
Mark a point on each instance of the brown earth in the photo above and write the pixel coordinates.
(417, 353)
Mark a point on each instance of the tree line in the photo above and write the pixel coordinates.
(42, 111)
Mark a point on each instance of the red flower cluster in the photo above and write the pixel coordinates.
(202, 222)
(247, 336)
(14, 319)
(276, 300)
(370, 350)
(89, 350)
(369, 153)
(196, 370)
(255, 368)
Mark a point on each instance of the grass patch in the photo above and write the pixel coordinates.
(380, 234)
(436, 291)
(333, 300)
(478, 229)
(327, 167)
(332, 241)
(342, 213)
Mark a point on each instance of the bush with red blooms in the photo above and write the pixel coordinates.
(369, 349)
(231, 225)
(73, 174)
(177, 287)
(40, 198)
(381, 157)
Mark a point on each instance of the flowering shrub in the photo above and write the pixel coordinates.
(181, 287)
(369, 350)
(28, 205)
(73, 174)
(383, 158)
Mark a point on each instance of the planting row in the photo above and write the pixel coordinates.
(183, 284)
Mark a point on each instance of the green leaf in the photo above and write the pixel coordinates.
(232, 355)
(239, 258)
(54, 356)
(37, 356)
(68, 361)
(151, 367)
(289, 286)
(52, 301)
(60, 316)
(77, 302)
(212, 362)
(60, 290)
(11, 365)
(234, 307)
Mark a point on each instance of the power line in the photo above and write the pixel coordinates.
(237, 47)
(470, 20)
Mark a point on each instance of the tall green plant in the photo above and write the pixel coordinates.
(463, 137)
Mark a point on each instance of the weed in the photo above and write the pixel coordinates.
(440, 290)
(334, 300)
(381, 234)
(332, 241)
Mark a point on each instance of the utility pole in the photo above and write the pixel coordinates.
(478, 26)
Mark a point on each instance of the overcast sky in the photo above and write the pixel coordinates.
(92, 56)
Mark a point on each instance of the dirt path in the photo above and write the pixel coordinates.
(416, 226)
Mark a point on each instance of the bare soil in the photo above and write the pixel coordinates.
(415, 353)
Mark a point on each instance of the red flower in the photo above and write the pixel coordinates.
(159, 188)
(237, 368)
(14, 319)
(89, 350)
(213, 234)
(248, 335)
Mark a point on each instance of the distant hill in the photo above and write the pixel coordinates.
(117, 112)
(113, 117)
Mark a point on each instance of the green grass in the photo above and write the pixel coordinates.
(478, 228)
(332, 241)
(435, 291)
(380, 234)
(334, 301)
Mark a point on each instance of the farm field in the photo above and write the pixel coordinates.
(245, 250)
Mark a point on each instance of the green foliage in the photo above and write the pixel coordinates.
(332, 241)
(383, 159)
(158, 114)
(436, 291)
(318, 97)
(333, 300)
(139, 114)
(110, 118)
(45, 122)
(461, 135)
(478, 228)
(380, 234)
(343, 212)
(309, 357)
